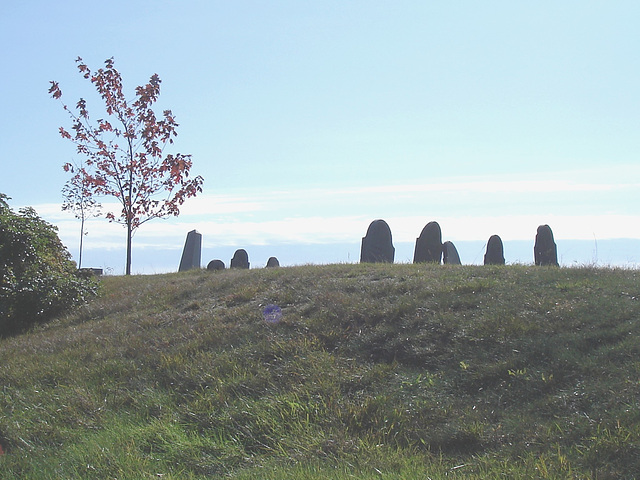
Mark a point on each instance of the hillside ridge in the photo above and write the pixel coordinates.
(371, 370)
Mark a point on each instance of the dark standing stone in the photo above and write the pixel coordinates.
(377, 245)
(240, 259)
(216, 265)
(429, 244)
(273, 262)
(495, 251)
(545, 251)
(450, 254)
(192, 251)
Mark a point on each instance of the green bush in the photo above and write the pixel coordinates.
(38, 279)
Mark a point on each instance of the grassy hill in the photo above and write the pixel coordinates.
(373, 371)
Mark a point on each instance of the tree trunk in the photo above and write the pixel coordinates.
(128, 267)
(129, 209)
(81, 238)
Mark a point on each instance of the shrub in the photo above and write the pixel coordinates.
(38, 279)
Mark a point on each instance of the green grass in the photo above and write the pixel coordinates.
(374, 372)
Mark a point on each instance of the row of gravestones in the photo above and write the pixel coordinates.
(240, 260)
(192, 254)
(377, 246)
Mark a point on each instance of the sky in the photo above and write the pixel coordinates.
(309, 120)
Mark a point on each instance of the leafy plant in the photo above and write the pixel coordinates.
(38, 278)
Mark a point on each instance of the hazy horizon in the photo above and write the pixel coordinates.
(622, 253)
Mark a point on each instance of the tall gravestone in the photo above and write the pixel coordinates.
(191, 252)
(215, 265)
(377, 245)
(429, 244)
(545, 251)
(495, 251)
(450, 254)
(273, 262)
(240, 259)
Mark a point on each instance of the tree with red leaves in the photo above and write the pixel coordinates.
(124, 153)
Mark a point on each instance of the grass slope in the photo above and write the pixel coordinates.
(374, 371)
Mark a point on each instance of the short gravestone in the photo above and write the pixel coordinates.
(240, 259)
(450, 254)
(495, 251)
(377, 245)
(191, 252)
(90, 272)
(545, 251)
(429, 244)
(273, 262)
(216, 265)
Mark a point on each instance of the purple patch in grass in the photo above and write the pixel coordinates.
(272, 314)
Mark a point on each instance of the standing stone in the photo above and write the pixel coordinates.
(240, 259)
(273, 262)
(216, 265)
(545, 251)
(495, 251)
(429, 244)
(192, 251)
(377, 245)
(450, 254)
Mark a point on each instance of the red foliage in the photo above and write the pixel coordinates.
(124, 156)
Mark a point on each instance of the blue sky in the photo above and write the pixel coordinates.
(308, 120)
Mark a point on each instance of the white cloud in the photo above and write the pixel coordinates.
(325, 230)
(222, 204)
(335, 215)
(502, 188)
(488, 186)
(521, 227)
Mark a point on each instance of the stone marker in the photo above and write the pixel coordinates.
(429, 244)
(273, 262)
(450, 254)
(216, 265)
(191, 253)
(377, 245)
(240, 259)
(90, 272)
(545, 251)
(495, 251)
